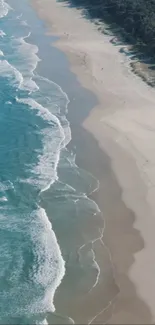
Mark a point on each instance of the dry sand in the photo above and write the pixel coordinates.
(124, 126)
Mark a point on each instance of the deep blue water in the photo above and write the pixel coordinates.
(34, 132)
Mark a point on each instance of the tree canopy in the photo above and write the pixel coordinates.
(135, 17)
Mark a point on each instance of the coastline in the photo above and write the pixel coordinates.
(124, 156)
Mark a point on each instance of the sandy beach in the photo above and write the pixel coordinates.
(123, 125)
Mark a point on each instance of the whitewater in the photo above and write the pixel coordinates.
(38, 174)
(49, 267)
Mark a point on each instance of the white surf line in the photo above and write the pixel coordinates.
(103, 310)
(79, 249)
(108, 250)
(64, 317)
(27, 36)
(58, 86)
(94, 260)
(73, 164)
(96, 188)
(2, 34)
(113, 271)
(98, 269)
(98, 211)
(95, 204)
(18, 17)
(92, 242)
(98, 276)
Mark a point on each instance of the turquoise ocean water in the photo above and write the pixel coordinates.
(44, 208)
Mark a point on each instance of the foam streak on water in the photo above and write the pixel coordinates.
(10, 72)
(34, 133)
(4, 8)
(49, 267)
(2, 34)
(34, 294)
(28, 63)
(53, 141)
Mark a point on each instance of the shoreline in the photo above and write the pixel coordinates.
(110, 136)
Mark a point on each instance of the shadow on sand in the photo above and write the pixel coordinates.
(141, 62)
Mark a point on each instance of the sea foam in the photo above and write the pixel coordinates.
(6, 185)
(29, 231)
(49, 268)
(4, 8)
(3, 199)
(10, 72)
(57, 102)
(27, 60)
(2, 34)
(53, 137)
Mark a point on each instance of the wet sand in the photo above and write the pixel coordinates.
(115, 143)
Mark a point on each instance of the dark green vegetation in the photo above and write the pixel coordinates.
(135, 18)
